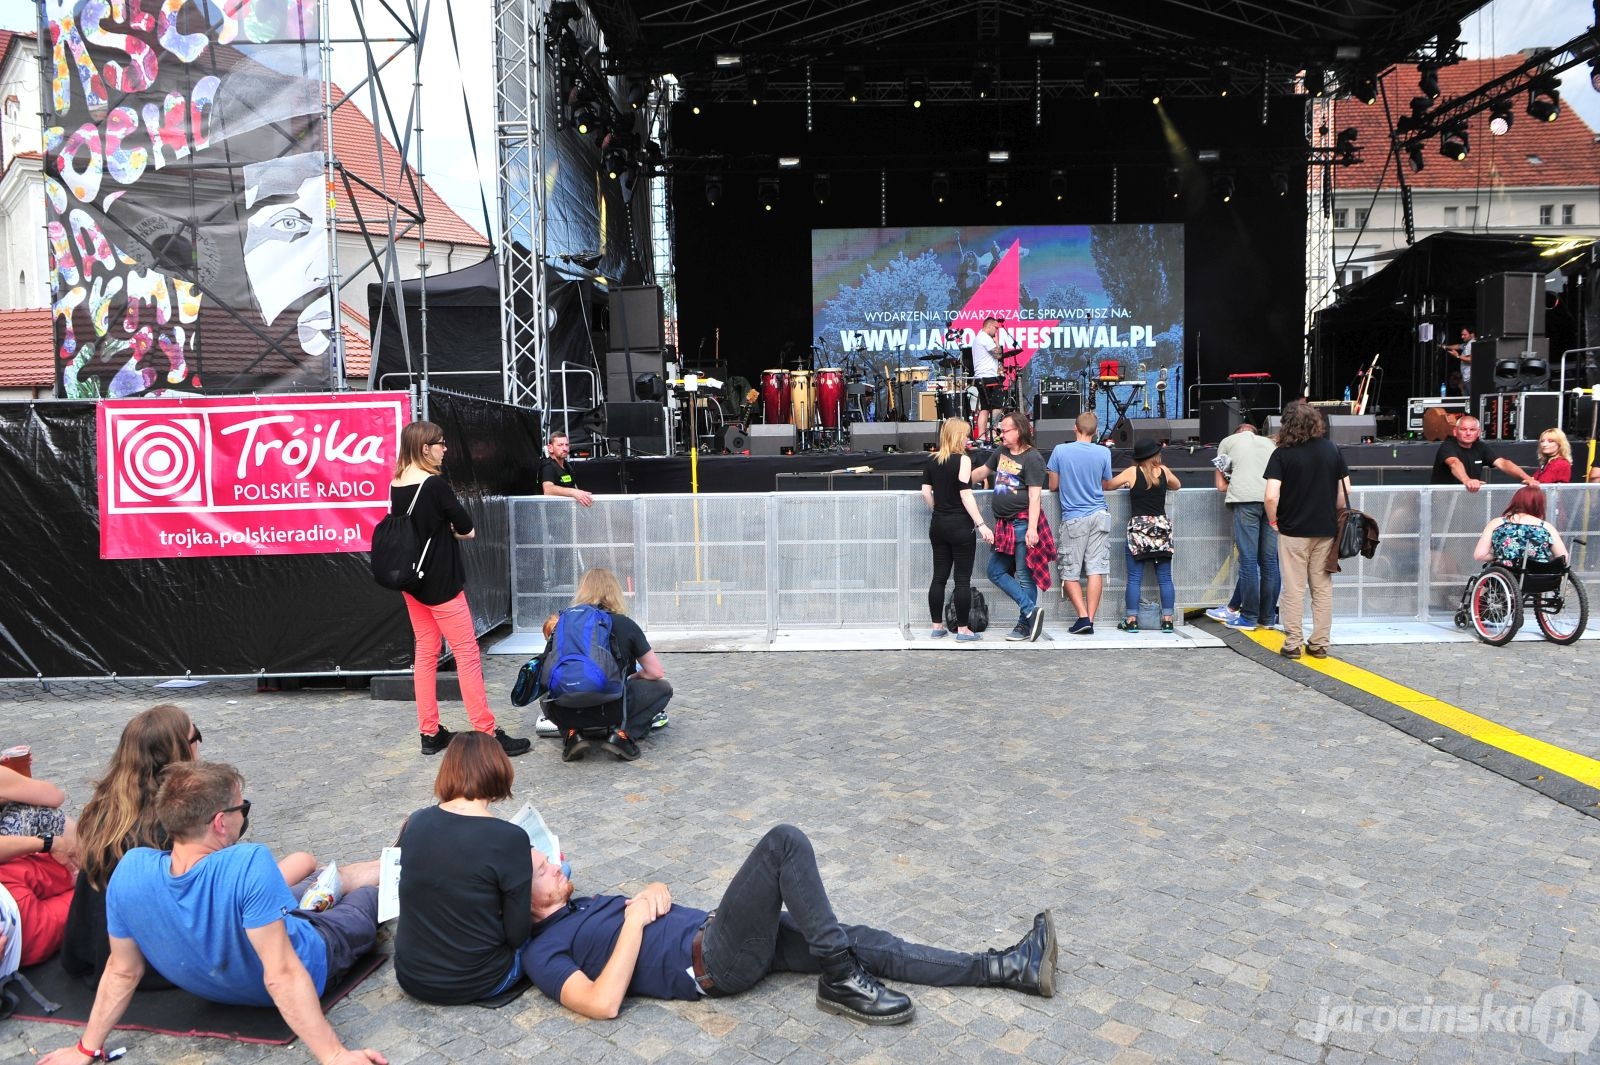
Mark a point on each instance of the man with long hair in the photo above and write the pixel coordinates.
(1307, 481)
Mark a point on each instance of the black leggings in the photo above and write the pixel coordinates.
(953, 546)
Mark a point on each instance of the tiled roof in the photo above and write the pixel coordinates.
(25, 348)
(353, 140)
(5, 43)
(1563, 152)
(357, 341)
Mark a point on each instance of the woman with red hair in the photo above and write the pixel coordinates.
(1521, 532)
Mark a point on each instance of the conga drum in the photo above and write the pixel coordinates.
(774, 396)
(801, 399)
(830, 396)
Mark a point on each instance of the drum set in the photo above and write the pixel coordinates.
(820, 403)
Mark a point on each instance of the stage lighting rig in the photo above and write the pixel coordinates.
(916, 87)
(983, 80)
(821, 189)
(1501, 114)
(1222, 78)
(941, 186)
(1094, 78)
(1315, 80)
(1058, 185)
(755, 82)
(855, 84)
(713, 189)
(1544, 98)
(767, 193)
(1344, 145)
(561, 13)
(1428, 80)
(1414, 153)
(1365, 88)
(995, 187)
(1453, 142)
(1174, 183)
(1223, 186)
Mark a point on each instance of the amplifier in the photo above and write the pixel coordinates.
(1057, 384)
(1417, 406)
(1066, 405)
(1331, 406)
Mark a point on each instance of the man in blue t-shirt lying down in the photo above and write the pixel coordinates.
(590, 953)
(215, 917)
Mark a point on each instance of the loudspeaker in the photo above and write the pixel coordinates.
(1351, 428)
(1503, 304)
(619, 384)
(733, 440)
(1057, 405)
(636, 316)
(1048, 432)
(772, 439)
(1130, 431)
(1218, 418)
(916, 436)
(1536, 412)
(872, 436)
(644, 425)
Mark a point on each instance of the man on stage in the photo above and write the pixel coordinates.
(986, 370)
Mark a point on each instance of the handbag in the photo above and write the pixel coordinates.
(977, 613)
(1352, 533)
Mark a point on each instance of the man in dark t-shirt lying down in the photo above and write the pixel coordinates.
(590, 953)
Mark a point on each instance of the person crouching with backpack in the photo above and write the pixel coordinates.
(437, 605)
(646, 691)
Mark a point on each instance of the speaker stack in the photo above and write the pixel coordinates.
(1511, 353)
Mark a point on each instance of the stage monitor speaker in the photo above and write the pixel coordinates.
(619, 382)
(772, 439)
(1048, 406)
(1130, 431)
(1352, 428)
(874, 436)
(1048, 432)
(1504, 301)
(1219, 418)
(636, 316)
(916, 436)
(642, 425)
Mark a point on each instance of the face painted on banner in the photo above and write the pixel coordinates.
(285, 245)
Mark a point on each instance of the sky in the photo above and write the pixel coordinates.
(1498, 28)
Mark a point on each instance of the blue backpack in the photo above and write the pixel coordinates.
(581, 665)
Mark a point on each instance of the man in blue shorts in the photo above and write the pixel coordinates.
(214, 916)
(1081, 472)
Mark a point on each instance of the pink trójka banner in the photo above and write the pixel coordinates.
(244, 475)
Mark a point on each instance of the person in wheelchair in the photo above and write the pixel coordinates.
(1521, 534)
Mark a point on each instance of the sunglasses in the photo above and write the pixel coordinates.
(196, 738)
(437, 443)
(242, 808)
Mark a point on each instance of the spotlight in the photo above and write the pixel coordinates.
(1345, 143)
(1058, 185)
(1315, 80)
(1501, 115)
(999, 155)
(788, 162)
(713, 189)
(1544, 99)
(648, 387)
(941, 186)
(1222, 185)
(638, 93)
(855, 84)
(1222, 78)
(995, 189)
(755, 83)
(767, 193)
(1414, 152)
(1152, 83)
(1041, 39)
(1453, 142)
(1419, 106)
(1280, 183)
(983, 80)
(587, 118)
(1094, 78)
(562, 11)
(729, 60)
(1365, 89)
(916, 87)
(821, 188)
(616, 160)
(1174, 184)
(1428, 80)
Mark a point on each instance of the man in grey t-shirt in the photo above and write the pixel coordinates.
(1254, 601)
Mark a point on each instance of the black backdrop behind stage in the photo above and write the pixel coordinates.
(69, 613)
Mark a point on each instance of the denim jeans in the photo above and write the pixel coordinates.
(1136, 584)
(775, 917)
(1260, 581)
(1018, 586)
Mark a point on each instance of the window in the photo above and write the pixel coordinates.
(1341, 218)
(1546, 213)
(1449, 217)
(1350, 275)
(1361, 217)
(1472, 216)
(1568, 213)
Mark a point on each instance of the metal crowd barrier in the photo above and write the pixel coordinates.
(770, 561)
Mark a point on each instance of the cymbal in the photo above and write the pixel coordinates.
(1009, 352)
(938, 357)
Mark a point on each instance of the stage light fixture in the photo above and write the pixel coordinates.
(855, 84)
(1345, 143)
(617, 161)
(767, 192)
(729, 60)
(983, 80)
(1315, 80)
(649, 388)
(1594, 73)
(1428, 80)
(1453, 142)
(1094, 79)
(1041, 39)
(588, 118)
(788, 162)
(638, 93)
(1222, 185)
(995, 187)
(1544, 99)
(941, 186)
(1152, 83)
(713, 189)
(1222, 78)
(1414, 153)
(1419, 107)
(1174, 184)
(755, 83)
(1280, 183)
(821, 188)
(999, 156)
(916, 87)
(564, 11)
(1501, 115)
(1058, 185)
(1365, 89)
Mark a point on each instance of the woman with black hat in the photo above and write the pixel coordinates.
(1149, 529)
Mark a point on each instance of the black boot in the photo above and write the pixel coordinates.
(1030, 965)
(846, 988)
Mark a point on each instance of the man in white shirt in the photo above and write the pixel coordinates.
(986, 369)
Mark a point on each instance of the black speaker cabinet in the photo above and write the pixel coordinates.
(1504, 301)
(874, 436)
(1130, 431)
(917, 436)
(636, 316)
(1218, 418)
(772, 439)
(642, 425)
(1344, 429)
(623, 368)
(1048, 432)
(1057, 405)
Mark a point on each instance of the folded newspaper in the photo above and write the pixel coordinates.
(527, 819)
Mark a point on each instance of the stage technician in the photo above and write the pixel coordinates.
(555, 473)
(947, 489)
(1465, 459)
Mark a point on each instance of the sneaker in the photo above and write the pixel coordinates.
(1317, 652)
(968, 637)
(1036, 624)
(1128, 626)
(1289, 652)
(1082, 627)
(546, 728)
(1166, 625)
(438, 741)
(1020, 633)
(512, 745)
(575, 746)
(620, 745)
(1237, 621)
(939, 634)
(659, 721)
(1222, 614)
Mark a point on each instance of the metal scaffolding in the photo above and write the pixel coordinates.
(519, 141)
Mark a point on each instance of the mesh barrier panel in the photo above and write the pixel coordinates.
(852, 559)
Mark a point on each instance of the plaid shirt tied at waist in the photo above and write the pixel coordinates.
(1039, 558)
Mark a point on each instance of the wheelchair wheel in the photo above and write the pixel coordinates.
(1564, 613)
(1495, 604)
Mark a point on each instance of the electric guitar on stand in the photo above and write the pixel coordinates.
(1364, 393)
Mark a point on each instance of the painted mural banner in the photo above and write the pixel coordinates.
(269, 475)
(187, 199)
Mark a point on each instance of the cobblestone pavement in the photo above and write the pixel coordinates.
(1232, 857)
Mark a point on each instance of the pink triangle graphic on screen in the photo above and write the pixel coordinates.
(999, 295)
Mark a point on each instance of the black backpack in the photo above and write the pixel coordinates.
(398, 553)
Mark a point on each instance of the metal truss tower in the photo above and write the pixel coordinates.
(1319, 225)
(519, 37)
